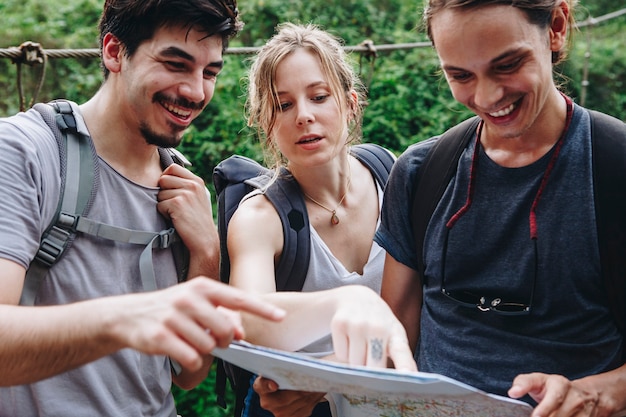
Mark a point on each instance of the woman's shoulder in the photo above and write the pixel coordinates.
(255, 206)
(257, 214)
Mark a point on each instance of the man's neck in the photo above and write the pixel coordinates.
(120, 145)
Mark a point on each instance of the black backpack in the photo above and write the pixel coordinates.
(235, 178)
(79, 171)
(608, 137)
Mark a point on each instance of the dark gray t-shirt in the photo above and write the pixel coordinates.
(569, 330)
(126, 383)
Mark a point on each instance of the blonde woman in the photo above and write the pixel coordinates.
(305, 101)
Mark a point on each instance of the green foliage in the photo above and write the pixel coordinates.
(54, 25)
(599, 53)
(201, 401)
(408, 100)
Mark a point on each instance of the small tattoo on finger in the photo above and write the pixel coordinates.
(376, 349)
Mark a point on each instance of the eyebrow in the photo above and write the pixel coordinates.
(312, 85)
(502, 56)
(175, 52)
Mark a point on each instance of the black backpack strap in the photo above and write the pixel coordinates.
(234, 178)
(229, 180)
(433, 177)
(78, 163)
(287, 198)
(378, 159)
(609, 172)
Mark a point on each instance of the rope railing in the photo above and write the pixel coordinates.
(592, 21)
(17, 53)
(33, 54)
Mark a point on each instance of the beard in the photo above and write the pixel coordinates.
(170, 140)
(174, 137)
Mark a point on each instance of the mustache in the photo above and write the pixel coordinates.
(178, 101)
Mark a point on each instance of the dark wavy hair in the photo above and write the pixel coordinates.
(135, 21)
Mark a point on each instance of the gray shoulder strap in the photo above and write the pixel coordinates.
(78, 169)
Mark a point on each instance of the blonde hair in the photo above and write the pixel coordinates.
(262, 104)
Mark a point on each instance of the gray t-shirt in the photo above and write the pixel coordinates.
(569, 330)
(126, 383)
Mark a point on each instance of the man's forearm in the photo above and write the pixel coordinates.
(39, 342)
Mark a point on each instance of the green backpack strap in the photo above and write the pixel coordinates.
(78, 169)
(609, 172)
(433, 177)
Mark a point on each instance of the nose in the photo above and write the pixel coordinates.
(488, 93)
(194, 88)
(304, 115)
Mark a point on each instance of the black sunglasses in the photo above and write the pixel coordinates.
(482, 302)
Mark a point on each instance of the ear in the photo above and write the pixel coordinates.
(558, 26)
(353, 103)
(112, 52)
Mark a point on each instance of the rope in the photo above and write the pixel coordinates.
(32, 54)
(16, 53)
(365, 46)
(592, 21)
(370, 55)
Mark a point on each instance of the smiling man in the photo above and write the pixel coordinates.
(103, 343)
(511, 292)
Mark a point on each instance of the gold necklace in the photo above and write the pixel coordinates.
(334, 219)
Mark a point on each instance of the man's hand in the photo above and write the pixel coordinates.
(185, 321)
(599, 395)
(186, 202)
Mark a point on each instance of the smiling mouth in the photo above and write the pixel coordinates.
(505, 111)
(177, 111)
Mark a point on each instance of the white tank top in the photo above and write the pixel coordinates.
(326, 272)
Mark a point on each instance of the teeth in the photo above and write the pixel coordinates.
(503, 112)
(177, 110)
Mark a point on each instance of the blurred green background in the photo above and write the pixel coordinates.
(408, 99)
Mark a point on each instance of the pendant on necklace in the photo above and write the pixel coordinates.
(334, 220)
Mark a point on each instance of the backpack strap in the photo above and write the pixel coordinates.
(433, 177)
(238, 176)
(609, 173)
(181, 254)
(286, 196)
(229, 180)
(235, 178)
(78, 170)
(378, 159)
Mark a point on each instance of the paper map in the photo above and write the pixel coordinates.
(370, 392)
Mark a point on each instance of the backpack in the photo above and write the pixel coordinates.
(236, 177)
(79, 171)
(608, 138)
